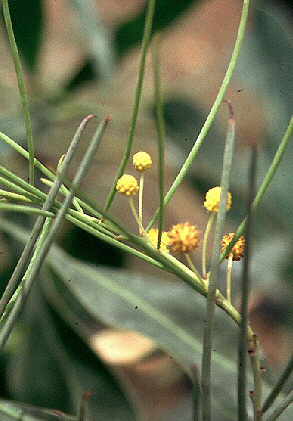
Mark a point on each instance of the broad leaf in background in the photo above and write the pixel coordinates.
(168, 313)
(69, 369)
(27, 20)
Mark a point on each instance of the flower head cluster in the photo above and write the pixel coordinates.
(213, 197)
(142, 161)
(183, 238)
(237, 250)
(127, 185)
(153, 237)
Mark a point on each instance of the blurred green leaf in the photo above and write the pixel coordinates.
(97, 35)
(27, 20)
(130, 33)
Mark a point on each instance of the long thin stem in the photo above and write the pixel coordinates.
(22, 262)
(213, 278)
(191, 264)
(25, 209)
(265, 184)
(278, 386)
(281, 407)
(136, 216)
(140, 200)
(213, 112)
(39, 257)
(138, 94)
(160, 124)
(22, 88)
(229, 278)
(206, 237)
(243, 332)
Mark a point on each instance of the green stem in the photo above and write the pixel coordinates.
(264, 185)
(35, 265)
(50, 198)
(281, 407)
(13, 196)
(12, 186)
(22, 88)
(206, 236)
(244, 324)
(10, 320)
(140, 201)
(136, 217)
(138, 94)
(25, 209)
(191, 265)
(160, 124)
(213, 278)
(212, 115)
(278, 386)
(229, 278)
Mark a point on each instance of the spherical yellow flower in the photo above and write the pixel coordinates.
(153, 237)
(213, 197)
(237, 250)
(183, 238)
(142, 161)
(127, 185)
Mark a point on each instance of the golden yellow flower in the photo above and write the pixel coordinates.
(153, 237)
(183, 237)
(142, 161)
(237, 250)
(213, 197)
(127, 185)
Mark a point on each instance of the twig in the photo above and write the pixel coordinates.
(245, 291)
(212, 288)
(160, 124)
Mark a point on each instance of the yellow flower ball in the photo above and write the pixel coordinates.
(142, 161)
(153, 237)
(183, 238)
(213, 197)
(127, 184)
(237, 250)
